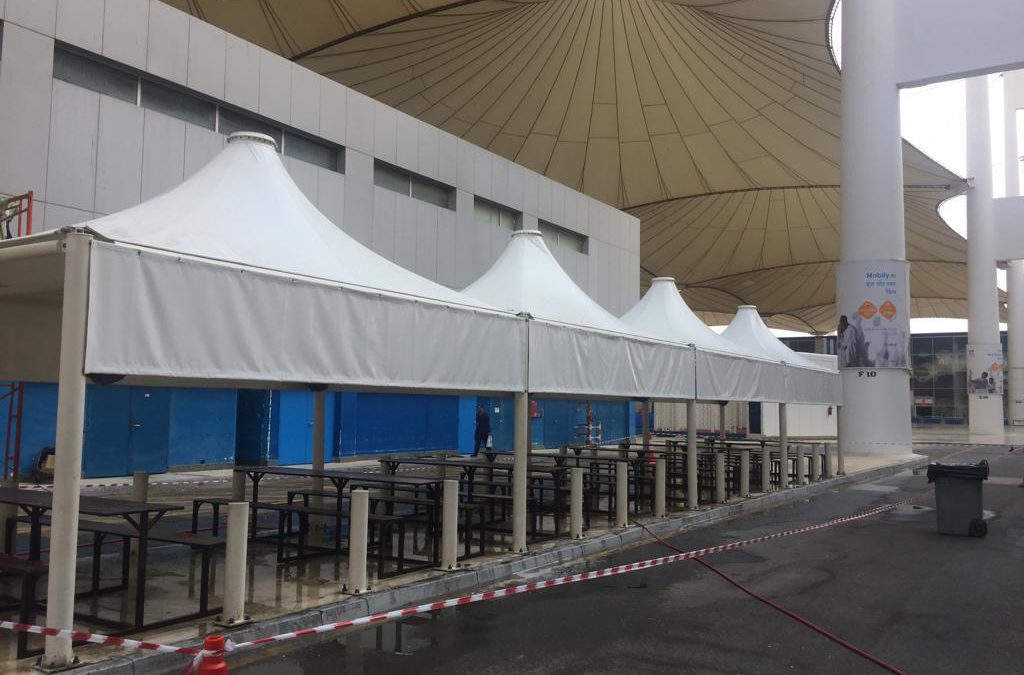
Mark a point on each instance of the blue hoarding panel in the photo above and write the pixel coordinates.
(202, 426)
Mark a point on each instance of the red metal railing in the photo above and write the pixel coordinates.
(16, 216)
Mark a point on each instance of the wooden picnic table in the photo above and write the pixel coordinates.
(141, 516)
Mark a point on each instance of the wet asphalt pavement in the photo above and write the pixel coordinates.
(926, 603)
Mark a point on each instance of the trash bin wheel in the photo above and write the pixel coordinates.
(977, 528)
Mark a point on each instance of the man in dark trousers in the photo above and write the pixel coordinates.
(483, 430)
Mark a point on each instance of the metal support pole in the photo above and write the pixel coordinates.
(358, 528)
(720, 477)
(766, 470)
(721, 423)
(237, 486)
(692, 490)
(8, 524)
(450, 526)
(645, 426)
(621, 493)
(576, 503)
(140, 493)
(840, 461)
(67, 473)
(660, 475)
(521, 443)
(783, 449)
(745, 472)
(801, 469)
(235, 564)
(319, 415)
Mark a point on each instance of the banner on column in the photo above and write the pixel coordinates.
(873, 303)
(985, 369)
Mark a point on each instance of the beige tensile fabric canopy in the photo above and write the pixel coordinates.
(714, 121)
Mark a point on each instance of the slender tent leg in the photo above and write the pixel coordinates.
(521, 448)
(319, 415)
(645, 426)
(783, 449)
(692, 499)
(67, 473)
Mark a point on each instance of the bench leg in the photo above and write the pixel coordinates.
(97, 550)
(204, 581)
(216, 520)
(280, 536)
(380, 548)
(27, 612)
(195, 516)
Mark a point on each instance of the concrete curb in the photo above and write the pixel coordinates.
(501, 570)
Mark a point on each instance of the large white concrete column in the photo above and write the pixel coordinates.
(985, 406)
(67, 472)
(1013, 100)
(521, 448)
(877, 407)
(1015, 340)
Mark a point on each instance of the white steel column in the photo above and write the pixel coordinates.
(985, 408)
(877, 407)
(1015, 340)
(645, 426)
(692, 490)
(67, 472)
(1013, 100)
(521, 447)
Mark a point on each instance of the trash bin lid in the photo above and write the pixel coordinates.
(961, 470)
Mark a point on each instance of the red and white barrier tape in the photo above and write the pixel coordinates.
(508, 591)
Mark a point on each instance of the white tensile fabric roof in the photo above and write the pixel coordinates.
(807, 380)
(234, 276)
(716, 122)
(576, 346)
(724, 369)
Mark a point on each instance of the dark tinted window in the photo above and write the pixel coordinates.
(99, 77)
(179, 104)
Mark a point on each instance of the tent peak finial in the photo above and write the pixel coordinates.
(671, 280)
(252, 137)
(520, 233)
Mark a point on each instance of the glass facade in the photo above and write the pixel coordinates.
(939, 378)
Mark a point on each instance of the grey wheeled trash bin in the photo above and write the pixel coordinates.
(958, 501)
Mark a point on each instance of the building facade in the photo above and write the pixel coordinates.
(111, 102)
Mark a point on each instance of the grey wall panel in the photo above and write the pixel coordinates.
(80, 22)
(118, 156)
(405, 232)
(207, 47)
(425, 227)
(530, 188)
(61, 216)
(499, 180)
(446, 248)
(126, 31)
(447, 158)
(241, 73)
(275, 86)
(482, 173)
(167, 51)
(201, 145)
(407, 143)
(384, 214)
(37, 15)
(428, 143)
(71, 163)
(465, 240)
(331, 195)
(26, 69)
(385, 134)
(333, 113)
(163, 153)
(358, 218)
(305, 100)
(516, 186)
(466, 169)
(359, 118)
(305, 177)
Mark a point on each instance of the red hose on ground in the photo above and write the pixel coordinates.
(806, 622)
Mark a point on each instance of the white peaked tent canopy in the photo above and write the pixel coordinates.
(576, 346)
(807, 380)
(235, 277)
(724, 370)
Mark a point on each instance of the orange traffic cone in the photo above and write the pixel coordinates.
(213, 662)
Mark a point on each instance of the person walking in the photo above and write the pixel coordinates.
(483, 430)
